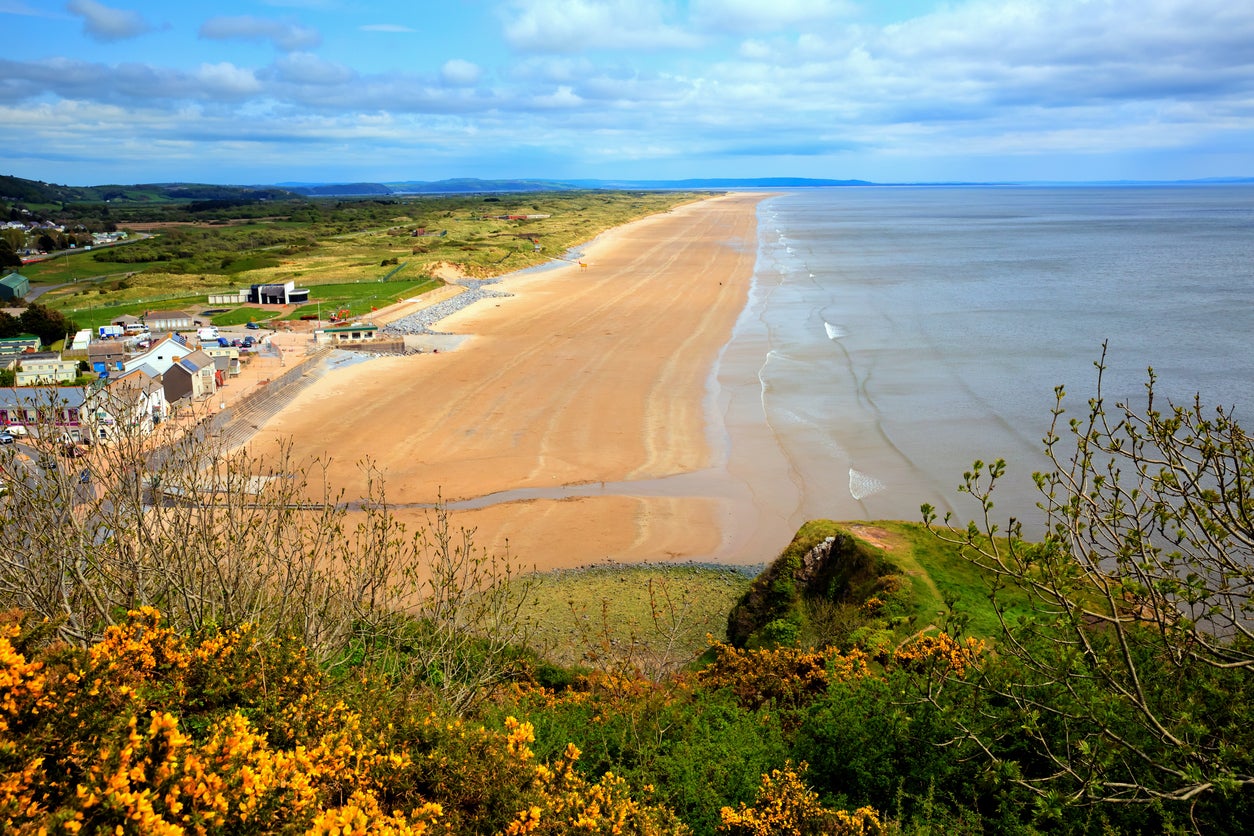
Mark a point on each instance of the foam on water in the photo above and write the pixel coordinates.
(834, 332)
(862, 485)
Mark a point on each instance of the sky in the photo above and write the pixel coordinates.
(271, 91)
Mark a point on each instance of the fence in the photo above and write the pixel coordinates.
(238, 424)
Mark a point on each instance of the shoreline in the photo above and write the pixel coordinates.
(578, 421)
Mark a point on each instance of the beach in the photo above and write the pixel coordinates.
(572, 424)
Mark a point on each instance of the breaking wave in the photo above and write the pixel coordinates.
(862, 485)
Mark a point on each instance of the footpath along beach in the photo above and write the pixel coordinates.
(570, 426)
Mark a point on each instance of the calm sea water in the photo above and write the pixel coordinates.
(896, 334)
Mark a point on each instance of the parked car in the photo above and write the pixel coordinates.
(15, 429)
(252, 325)
(237, 342)
(249, 342)
(6, 438)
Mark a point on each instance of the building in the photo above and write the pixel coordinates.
(106, 357)
(226, 358)
(135, 399)
(64, 409)
(14, 286)
(129, 324)
(358, 332)
(194, 377)
(44, 368)
(20, 345)
(278, 294)
(159, 357)
(158, 321)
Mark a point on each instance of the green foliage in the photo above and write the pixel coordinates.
(1130, 679)
(825, 575)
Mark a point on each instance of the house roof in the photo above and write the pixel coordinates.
(105, 349)
(356, 326)
(155, 315)
(136, 380)
(35, 396)
(15, 280)
(195, 361)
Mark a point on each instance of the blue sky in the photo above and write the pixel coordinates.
(267, 91)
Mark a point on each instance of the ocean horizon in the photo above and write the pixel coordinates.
(893, 335)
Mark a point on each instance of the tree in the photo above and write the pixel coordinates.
(8, 258)
(15, 238)
(1131, 677)
(171, 520)
(47, 324)
(1130, 681)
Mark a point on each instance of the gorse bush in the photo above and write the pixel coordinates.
(145, 732)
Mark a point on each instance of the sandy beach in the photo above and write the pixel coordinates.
(556, 429)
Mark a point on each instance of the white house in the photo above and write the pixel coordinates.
(45, 368)
(134, 399)
(160, 356)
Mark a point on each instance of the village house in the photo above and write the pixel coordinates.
(193, 378)
(129, 324)
(358, 332)
(162, 321)
(137, 400)
(226, 358)
(43, 368)
(64, 409)
(106, 357)
(160, 356)
(20, 345)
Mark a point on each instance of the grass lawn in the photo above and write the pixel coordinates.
(361, 297)
(652, 615)
(245, 314)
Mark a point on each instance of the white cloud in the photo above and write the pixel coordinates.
(17, 7)
(579, 25)
(104, 23)
(227, 79)
(752, 17)
(460, 73)
(288, 37)
(563, 98)
(307, 68)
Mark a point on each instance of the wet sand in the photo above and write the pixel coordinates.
(576, 413)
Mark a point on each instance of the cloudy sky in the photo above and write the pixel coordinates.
(264, 91)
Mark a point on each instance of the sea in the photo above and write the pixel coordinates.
(895, 335)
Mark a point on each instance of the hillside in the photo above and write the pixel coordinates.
(34, 193)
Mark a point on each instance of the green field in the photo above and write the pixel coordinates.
(652, 616)
(337, 249)
(360, 298)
